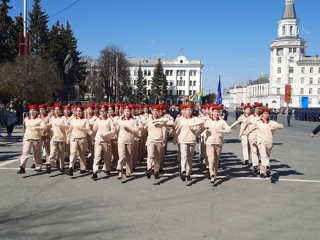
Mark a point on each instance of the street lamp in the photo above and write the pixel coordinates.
(116, 79)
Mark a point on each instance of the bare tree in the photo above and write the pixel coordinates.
(32, 78)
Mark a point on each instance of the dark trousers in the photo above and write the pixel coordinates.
(288, 120)
(10, 128)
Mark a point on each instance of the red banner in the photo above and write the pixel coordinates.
(288, 94)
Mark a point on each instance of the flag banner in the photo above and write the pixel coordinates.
(219, 96)
(198, 97)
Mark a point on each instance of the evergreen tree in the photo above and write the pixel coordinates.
(38, 30)
(159, 87)
(141, 86)
(7, 40)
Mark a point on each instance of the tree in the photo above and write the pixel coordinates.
(141, 86)
(7, 40)
(38, 30)
(159, 86)
(32, 78)
(107, 71)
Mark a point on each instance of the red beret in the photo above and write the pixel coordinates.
(257, 105)
(189, 106)
(155, 107)
(121, 105)
(182, 106)
(213, 106)
(43, 106)
(81, 107)
(74, 106)
(33, 107)
(67, 106)
(265, 110)
(160, 106)
(96, 106)
(104, 106)
(247, 106)
(146, 106)
(51, 108)
(59, 105)
(111, 105)
(127, 107)
(90, 106)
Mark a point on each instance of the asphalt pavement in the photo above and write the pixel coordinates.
(239, 205)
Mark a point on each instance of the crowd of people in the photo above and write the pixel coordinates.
(118, 136)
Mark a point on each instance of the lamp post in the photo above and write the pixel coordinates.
(116, 84)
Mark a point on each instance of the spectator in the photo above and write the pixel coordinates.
(174, 111)
(2, 115)
(24, 108)
(225, 114)
(289, 114)
(11, 119)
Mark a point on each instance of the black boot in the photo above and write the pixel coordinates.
(48, 170)
(22, 170)
(83, 171)
(156, 176)
(148, 174)
(70, 172)
(108, 173)
(183, 177)
(255, 169)
(246, 162)
(268, 172)
(188, 178)
(94, 176)
(33, 166)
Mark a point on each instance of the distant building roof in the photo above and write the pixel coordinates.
(289, 11)
(261, 80)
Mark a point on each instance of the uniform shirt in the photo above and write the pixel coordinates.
(103, 126)
(126, 136)
(30, 123)
(79, 127)
(243, 120)
(59, 132)
(45, 119)
(185, 133)
(265, 130)
(156, 132)
(252, 120)
(212, 125)
(114, 120)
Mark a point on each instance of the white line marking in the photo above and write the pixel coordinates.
(199, 176)
(8, 162)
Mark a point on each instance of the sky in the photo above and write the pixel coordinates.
(231, 37)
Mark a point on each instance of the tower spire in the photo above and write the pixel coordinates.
(289, 11)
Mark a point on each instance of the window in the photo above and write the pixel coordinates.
(194, 83)
(301, 90)
(278, 90)
(303, 69)
(319, 70)
(149, 82)
(302, 80)
(310, 101)
(291, 29)
(170, 92)
(291, 59)
(283, 30)
(169, 72)
(193, 73)
(184, 92)
(171, 83)
(279, 70)
(311, 70)
(180, 92)
(149, 92)
(194, 91)
(294, 50)
(311, 81)
(181, 73)
(181, 61)
(290, 69)
(310, 90)
(290, 50)
(318, 90)
(318, 80)
(279, 59)
(278, 80)
(302, 51)
(190, 83)
(135, 72)
(279, 51)
(190, 93)
(318, 101)
(290, 80)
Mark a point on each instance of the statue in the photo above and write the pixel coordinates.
(68, 63)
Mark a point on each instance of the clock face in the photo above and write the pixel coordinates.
(280, 51)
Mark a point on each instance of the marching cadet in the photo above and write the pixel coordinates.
(59, 126)
(251, 120)
(265, 129)
(96, 110)
(202, 145)
(126, 127)
(69, 117)
(155, 141)
(315, 131)
(79, 128)
(215, 127)
(186, 133)
(120, 113)
(45, 134)
(116, 109)
(174, 128)
(135, 113)
(103, 129)
(92, 117)
(244, 138)
(114, 144)
(32, 126)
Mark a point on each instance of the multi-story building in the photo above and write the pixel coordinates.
(289, 64)
(184, 76)
(258, 90)
(238, 95)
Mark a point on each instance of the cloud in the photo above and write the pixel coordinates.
(163, 54)
(305, 31)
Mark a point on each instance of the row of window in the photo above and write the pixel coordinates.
(308, 90)
(168, 72)
(311, 81)
(179, 83)
(303, 70)
(291, 50)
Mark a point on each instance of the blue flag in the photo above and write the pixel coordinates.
(219, 96)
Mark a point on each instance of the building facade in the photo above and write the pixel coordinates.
(184, 76)
(289, 64)
(238, 95)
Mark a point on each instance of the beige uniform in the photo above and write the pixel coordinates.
(114, 142)
(91, 144)
(166, 126)
(202, 145)
(125, 142)
(214, 142)
(45, 137)
(155, 142)
(59, 126)
(105, 127)
(79, 128)
(187, 138)
(253, 139)
(265, 130)
(244, 138)
(67, 147)
(32, 138)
